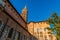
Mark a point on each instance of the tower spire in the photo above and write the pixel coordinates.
(24, 13)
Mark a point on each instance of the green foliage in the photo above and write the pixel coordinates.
(55, 20)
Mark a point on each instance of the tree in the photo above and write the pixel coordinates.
(55, 21)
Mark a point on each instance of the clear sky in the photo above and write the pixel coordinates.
(38, 10)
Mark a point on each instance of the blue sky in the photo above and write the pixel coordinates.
(38, 10)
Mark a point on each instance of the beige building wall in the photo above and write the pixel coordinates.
(38, 29)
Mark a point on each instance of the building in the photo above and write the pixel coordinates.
(38, 29)
(12, 25)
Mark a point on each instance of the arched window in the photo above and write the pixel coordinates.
(0, 23)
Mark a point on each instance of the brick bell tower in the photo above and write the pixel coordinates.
(24, 13)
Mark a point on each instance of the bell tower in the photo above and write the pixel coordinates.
(24, 13)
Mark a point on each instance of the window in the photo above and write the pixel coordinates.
(25, 37)
(19, 36)
(41, 33)
(45, 37)
(50, 36)
(45, 29)
(38, 30)
(0, 23)
(1, 28)
(10, 33)
(41, 37)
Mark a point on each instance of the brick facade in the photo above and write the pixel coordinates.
(12, 25)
